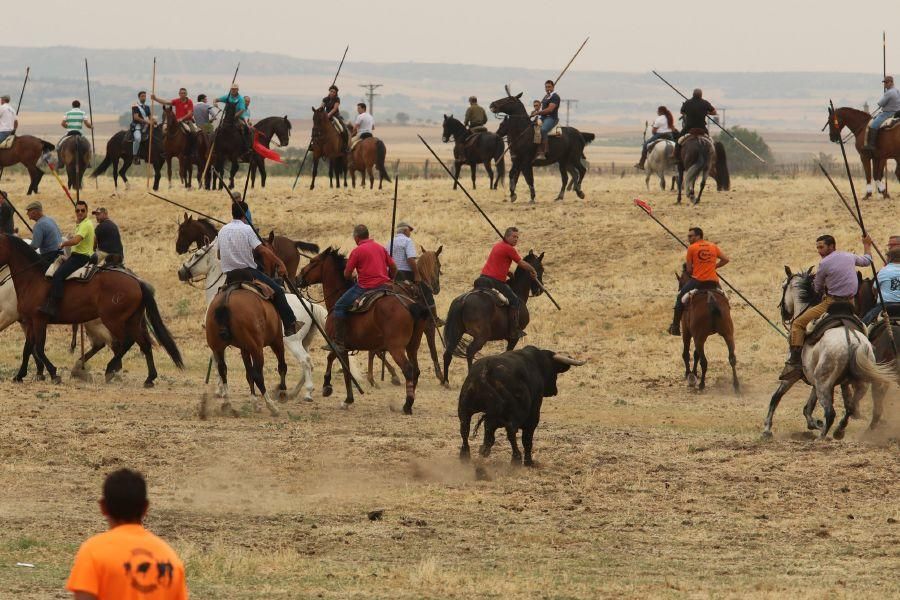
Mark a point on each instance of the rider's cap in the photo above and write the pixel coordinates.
(35, 206)
(234, 86)
(887, 78)
(99, 210)
(5, 97)
(405, 225)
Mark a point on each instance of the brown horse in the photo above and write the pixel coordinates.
(75, 153)
(241, 318)
(175, 145)
(707, 312)
(887, 144)
(326, 142)
(29, 151)
(394, 323)
(120, 300)
(476, 313)
(366, 154)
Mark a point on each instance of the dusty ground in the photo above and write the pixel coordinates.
(643, 488)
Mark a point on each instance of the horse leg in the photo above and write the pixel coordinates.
(826, 399)
(529, 179)
(850, 405)
(686, 357)
(878, 392)
(472, 168)
(465, 422)
(867, 169)
(262, 173)
(390, 369)
(408, 370)
(473, 349)
(432, 350)
(258, 363)
(295, 346)
(142, 336)
(457, 167)
(27, 350)
(513, 180)
(348, 383)
(39, 334)
(490, 426)
(808, 409)
(576, 181)
(511, 432)
(564, 175)
(680, 178)
(278, 350)
(783, 387)
(234, 169)
(327, 389)
(371, 173)
(700, 347)
(222, 368)
(490, 172)
(370, 377)
(169, 170)
(732, 360)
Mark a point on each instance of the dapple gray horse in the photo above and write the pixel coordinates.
(661, 162)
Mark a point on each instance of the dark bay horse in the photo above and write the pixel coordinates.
(394, 323)
(483, 149)
(124, 304)
(565, 150)
(707, 312)
(368, 154)
(887, 144)
(476, 313)
(29, 151)
(266, 129)
(230, 144)
(326, 143)
(175, 145)
(118, 148)
(75, 153)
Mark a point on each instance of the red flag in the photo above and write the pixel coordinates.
(643, 205)
(265, 152)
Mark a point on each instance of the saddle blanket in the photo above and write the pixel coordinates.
(368, 299)
(83, 274)
(8, 142)
(703, 137)
(839, 315)
(888, 123)
(686, 299)
(498, 298)
(555, 132)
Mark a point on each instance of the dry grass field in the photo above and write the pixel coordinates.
(643, 488)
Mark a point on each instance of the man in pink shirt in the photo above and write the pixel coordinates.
(374, 268)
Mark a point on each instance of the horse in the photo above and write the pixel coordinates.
(365, 155)
(337, 167)
(888, 144)
(841, 357)
(486, 147)
(478, 314)
(204, 266)
(123, 303)
(202, 231)
(661, 160)
(75, 153)
(230, 144)
(326, 142)
(29, 151)
(565, 150)
(175, 145)
(266, 129)
(119, 148)
(698, 155)
(393, 323)
(707, 312)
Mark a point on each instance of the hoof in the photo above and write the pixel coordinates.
(308, 398)
(692, 380)
(580, 194)
(109, 376)
(407, 409)
(17, 379)
(56, 379)
(344, 405)
(838, 434)
(512, 197)
(766, 435)
(464, 454)
(528, 462)
(327, 391)
(39, 377)
(395, 381)
(149, 384)
(445, 385)
(282, 396)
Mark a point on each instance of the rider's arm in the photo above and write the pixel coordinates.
(723, 260)
(335, 109)
(64, 124)
(866, 260)
(88, 124)
(392, 267)
(72, 241)
(160, 100)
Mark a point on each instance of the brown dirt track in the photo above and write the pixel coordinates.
(643, 487)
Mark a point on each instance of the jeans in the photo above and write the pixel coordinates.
(880, 118)
(279, 300)
(484, 281)
(547, 125)
(136, 135)
(72, 264)
(654, 137)
(346, 301)
(893, 310)
(5, 134)
(692, 284)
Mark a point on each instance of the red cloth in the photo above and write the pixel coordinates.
(183, 108)
(265, 152)
(500, 259)
(371, 262)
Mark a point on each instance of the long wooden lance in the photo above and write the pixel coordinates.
(187, 208)
(713, 121)
(391, 235)
(483, 214)
(334, 81)
(884, 57)
(649, 212)
(850, 210)
(87, 77)
(19, 103)
(150, 141)
(862, 227)
(16, 210)
(212, 146)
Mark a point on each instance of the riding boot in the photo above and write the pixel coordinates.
(675, 327)
(543, 149)
(871, 136)
(49, 307)
(340, 334)
(640, 163)
(794, 365)
(438, 322)
(515, 331)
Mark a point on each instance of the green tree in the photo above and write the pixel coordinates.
(741, 161)
(402, 118)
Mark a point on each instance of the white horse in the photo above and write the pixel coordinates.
(661, 162)
(203, 265)
(841, 357)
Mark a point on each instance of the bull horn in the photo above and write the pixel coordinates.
(568, 360)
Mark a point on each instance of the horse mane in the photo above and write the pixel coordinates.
(23, 247)
(208, 225)
(807, 291)
(850, 109)
(339, 258)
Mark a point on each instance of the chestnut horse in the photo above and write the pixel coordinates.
(707, 312)
(887, 144)
(123, 303)
(366, 154)
(394, 323)
(28, 150)
(326, 142)
(75, 153)
(175, 145)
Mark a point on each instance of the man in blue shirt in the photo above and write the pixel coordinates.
(240, 112)
(46, 236)
(889, 283)
(549, 114)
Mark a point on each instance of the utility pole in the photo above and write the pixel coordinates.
(371, 87)
(569, 102)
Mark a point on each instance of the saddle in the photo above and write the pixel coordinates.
(888, 123)
(555, 132)
(696, 132)
(840, 314)
(365, 302)
(499, 299)
(8, 142)
(242, 279)
(82, 275)
(704, 289)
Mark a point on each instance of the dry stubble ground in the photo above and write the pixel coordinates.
(643, 487)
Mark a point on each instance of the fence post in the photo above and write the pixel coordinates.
(425, 170)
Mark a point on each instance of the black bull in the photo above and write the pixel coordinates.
(509, 389)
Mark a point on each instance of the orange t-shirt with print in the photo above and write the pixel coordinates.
(128, 563)
(702, 257)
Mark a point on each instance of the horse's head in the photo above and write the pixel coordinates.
(282, 131)
(682, 277)
(316, 270)
(229, 112)
(536, 261)
(185, 234)
(453, 128)
(834, 125)
(509, 105)
(429, 266)
(797, 294)
(199, 263)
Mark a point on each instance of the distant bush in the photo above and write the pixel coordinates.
(741, 161)
(402, 118)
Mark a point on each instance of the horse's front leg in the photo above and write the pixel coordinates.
(326, 383)
(867, 169)
(783, 387)
(529, 179)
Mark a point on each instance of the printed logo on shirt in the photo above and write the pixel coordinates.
(704, 254)
(895, 284)
(146, 573)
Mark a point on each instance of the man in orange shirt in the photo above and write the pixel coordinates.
(703, 259)
(127, 562)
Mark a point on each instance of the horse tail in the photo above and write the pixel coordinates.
(454, 329)
(307, 247)
(587, 137)
(222, 315)
(723, 177)
(102, 167)
(714, 311)
(380, 156)
(419, 312)
(159, 329)
(478, 426)
(47, 146)
(863, 366)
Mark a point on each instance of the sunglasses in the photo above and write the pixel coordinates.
(80, 210)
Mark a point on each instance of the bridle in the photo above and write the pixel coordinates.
(786, 322)
(192, 262)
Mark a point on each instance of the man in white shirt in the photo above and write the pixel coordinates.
(663, 127)
(363, 124)
(404, 254)
(8, 121)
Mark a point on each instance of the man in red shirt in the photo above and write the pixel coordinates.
(702, 260)
(496, 271)
(374, 268)
(184, 115)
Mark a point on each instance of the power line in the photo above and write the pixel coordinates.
(371, 95)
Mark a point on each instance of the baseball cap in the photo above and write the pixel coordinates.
(99, 209)
(35, 206)
(405, 225)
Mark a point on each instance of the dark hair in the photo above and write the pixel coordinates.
(239, 209)
(333, 87)
(81, 203)
(551, 82)
(473, 99)
(125, 495)
(828, 239)
(182, 89)
(697, 231)
(76, 103)
(670, 120)
(362, 105)
(510, 230)
(201, 98)
(141, 92)
(361, 232)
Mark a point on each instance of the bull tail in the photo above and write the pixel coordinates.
(454, 328)
(477, 425)
(380, 157)
(158, 327)
(863, 366)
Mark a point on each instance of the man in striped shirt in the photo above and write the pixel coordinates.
(75, 120)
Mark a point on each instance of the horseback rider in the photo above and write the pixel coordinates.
(240, 108)
(45, 235)
(75, 119)
(141, 121)
(836, 279)
(108, 239)
(246, 114)
(332, 105)
(890, 105)
(475, 119)
(549, 114)
(184, 116)
(694, 112)
(663, 128)
(238, 245)
(363, 124)
(374, 269)
(9, 122)
(702, 261)
(496, 271)
(405, 257)
(203, 114)
(888, 283)
(82, 244)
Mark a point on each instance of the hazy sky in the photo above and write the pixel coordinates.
(751, 35)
